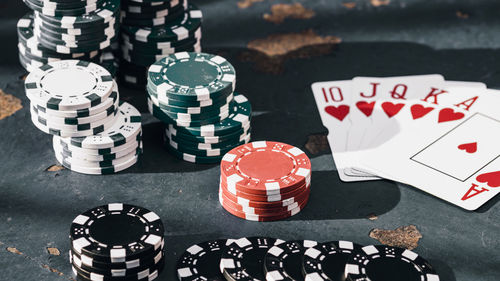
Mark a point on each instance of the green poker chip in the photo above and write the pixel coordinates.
(177, 30)
(193, 158)
(110, 9)
(191, 77)
(239, 116)
(160, 114)
(147, 60)
(202, 152)
(235, 136)
(188, 104)
(159, 48)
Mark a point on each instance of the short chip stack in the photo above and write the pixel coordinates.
(152, 29)
(78, 102)
(265, 181)
(66, 29)
(117, 242)
(193, 94)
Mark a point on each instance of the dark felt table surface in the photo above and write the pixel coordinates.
(458, 39)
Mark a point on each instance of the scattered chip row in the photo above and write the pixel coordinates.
(69, 29)
(117, 242)
(153, 29)
(265, 181)
(270, 259)
(78, 102)
(193, 94)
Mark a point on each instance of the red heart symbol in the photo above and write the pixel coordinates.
(419, 111)
(468, 147)
(365, 107)
(491, 179)
(392, 109)
(339, 112)
(448, 114)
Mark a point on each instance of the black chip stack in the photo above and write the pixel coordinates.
(69, 29)
(117, 242)
(152, 29)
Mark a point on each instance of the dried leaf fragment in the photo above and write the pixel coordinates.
(349, 5)
(53, 251)
(55, 168)
(282, 44)
(279, 12)
(462, 15)
(372, 217)
(8, 104)
(247, 3)
(14, 250)
(378, 3)
(404, 236)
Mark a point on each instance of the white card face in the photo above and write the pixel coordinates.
(464, 150)
(434, 142)
(453, 92)
(333, 101)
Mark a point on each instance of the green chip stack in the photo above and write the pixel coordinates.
(69, 29)
(193, 94)
(152, 29)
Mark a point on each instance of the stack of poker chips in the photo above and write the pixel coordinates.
(78, 102)
(193, 94)
(117, 242)
(265, 181)
(152, 29)
(68, 29)
(294, 260)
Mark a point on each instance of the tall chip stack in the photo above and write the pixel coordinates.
(152, 29)
(69, 29)
(117, 242)
(78, 102)
(265, 181)
(193, 94)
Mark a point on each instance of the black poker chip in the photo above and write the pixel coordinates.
(327, 261)
(284, 260)
(242, 259)
(116, 233)
(201, 262)
(380, 262)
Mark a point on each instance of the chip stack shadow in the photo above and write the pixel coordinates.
(152, 29)
(69, 29)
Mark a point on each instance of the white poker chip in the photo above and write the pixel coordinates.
(69, 85)
(126, 128)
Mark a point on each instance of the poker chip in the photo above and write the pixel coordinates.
(201, 262)
(327, 261)
(242, 259)
(174, 26)
(284, 260)
(48, 86)
(209, 76)
(387, 263)
(116, 233)
(266, 168)
(126, 128)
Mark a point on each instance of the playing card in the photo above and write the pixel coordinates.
(370, 116)
(332, 99)
(452, 93)
(448, 152)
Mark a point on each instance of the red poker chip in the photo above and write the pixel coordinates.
(261, 211)
(266, 168)
(264, 198)
(254, 217)
(259, 204)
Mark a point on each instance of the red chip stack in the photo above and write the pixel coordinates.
(265, 181)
